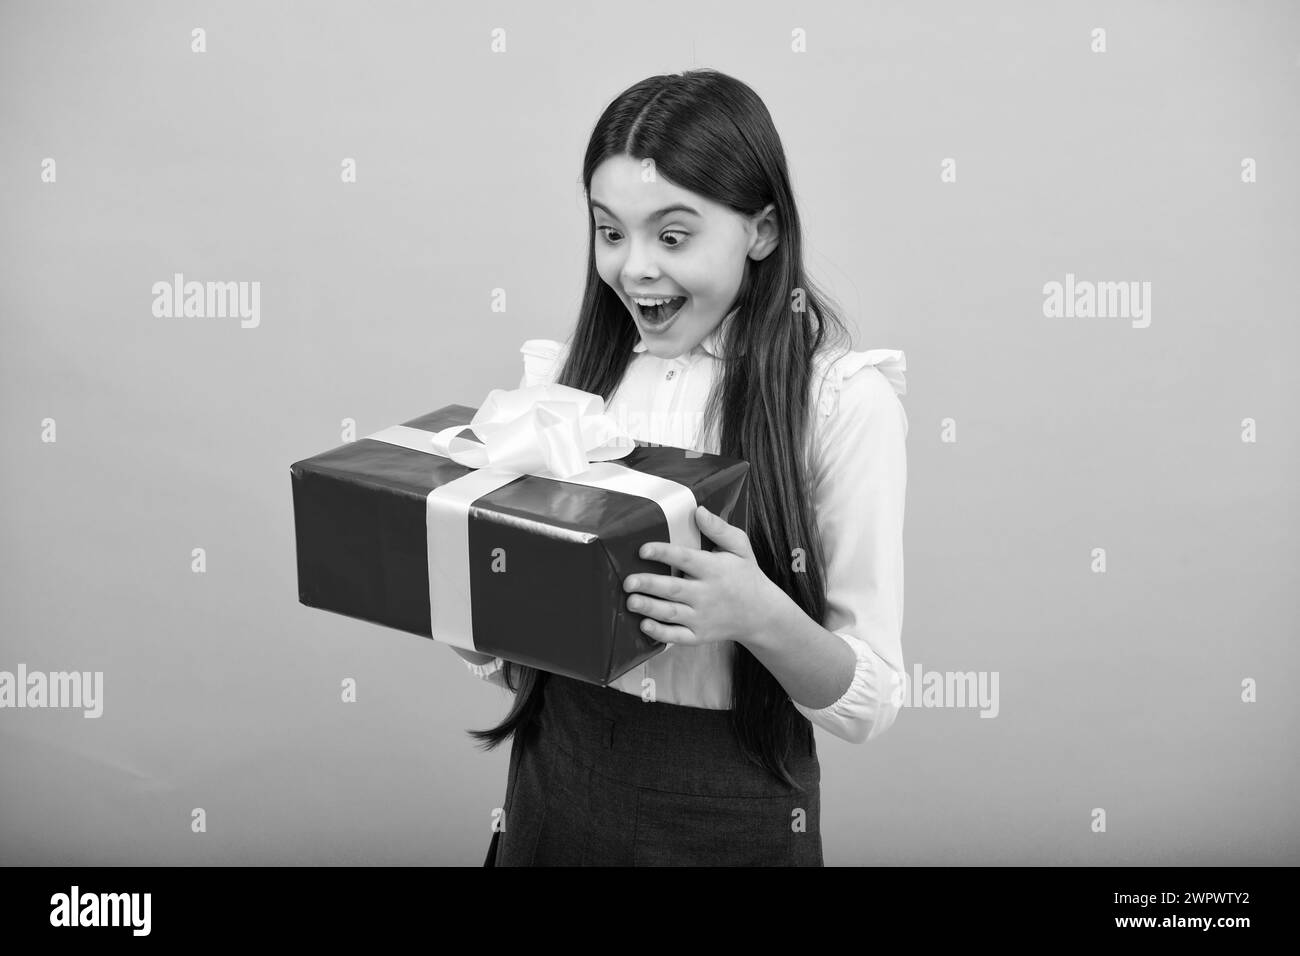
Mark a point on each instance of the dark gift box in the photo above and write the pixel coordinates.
(544, 558)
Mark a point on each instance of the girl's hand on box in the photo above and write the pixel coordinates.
(724, 597)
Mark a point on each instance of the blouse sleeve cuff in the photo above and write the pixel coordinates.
(490, 672)
(870, 705)
(541, 358)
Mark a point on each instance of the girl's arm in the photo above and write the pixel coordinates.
(847, 676)
(815, 666)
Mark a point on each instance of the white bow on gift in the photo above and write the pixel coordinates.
(547, 430)
(551, 431)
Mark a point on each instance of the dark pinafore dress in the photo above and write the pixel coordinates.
(603, 778)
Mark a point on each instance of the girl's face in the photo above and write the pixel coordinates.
(655, 240)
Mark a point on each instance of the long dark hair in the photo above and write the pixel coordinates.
(711, 134)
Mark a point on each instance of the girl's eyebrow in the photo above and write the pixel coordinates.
(657, 214)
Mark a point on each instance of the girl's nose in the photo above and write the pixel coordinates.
(640, 266)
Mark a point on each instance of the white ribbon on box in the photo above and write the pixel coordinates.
(550, 431)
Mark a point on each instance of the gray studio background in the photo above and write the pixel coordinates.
(1120, 691)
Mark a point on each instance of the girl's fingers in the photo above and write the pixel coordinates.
(668, 633)
(724, 535)
(682, 590)
(669, 612)
(689, 560)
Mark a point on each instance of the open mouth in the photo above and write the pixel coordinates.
(658, 316)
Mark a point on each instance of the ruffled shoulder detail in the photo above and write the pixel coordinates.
(891, 363)
(542, 360)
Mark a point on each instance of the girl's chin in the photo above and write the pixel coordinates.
(660, 342)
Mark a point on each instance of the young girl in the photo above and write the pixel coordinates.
(701, 330)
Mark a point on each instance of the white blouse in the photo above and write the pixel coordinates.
(858, 464)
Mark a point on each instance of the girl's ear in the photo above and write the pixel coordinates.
(766, 233)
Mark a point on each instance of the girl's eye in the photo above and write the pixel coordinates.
(672, 232)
